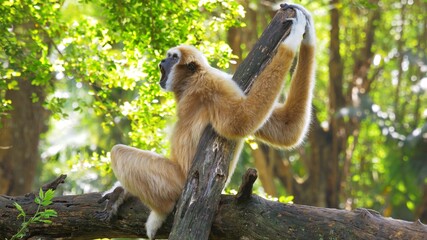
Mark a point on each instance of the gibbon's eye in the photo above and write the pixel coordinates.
(175, 56)
(168, 55)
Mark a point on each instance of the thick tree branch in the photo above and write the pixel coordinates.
(253, 218)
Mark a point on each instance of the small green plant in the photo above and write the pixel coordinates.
(44, 199)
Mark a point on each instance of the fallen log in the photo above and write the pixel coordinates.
(244, 216)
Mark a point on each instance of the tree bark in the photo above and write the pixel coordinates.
(21, 127)
(244, 216)
(209, 171)
(19, 138)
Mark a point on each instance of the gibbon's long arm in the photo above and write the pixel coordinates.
(289, 122)
(234, 115)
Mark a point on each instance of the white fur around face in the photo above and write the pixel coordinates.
(171, 75)
(174, 50)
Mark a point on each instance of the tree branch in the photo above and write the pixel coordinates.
(254, 218)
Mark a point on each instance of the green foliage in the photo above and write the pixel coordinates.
(386, 172)
(105, 61)
(44, 199)
(26, 26)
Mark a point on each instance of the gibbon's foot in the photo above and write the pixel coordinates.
(154, 222)
(310, 34)
(297, 30)
(115, 199)
(105, 216)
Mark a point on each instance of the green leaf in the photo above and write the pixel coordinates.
(45, 221)
(41, 194)
(49, 213)
(48, 196)
(21, 211)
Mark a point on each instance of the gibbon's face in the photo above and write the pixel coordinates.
(166, 68)
(179, 65)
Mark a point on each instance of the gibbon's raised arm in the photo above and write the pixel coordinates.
(289, 122)
(236, 116)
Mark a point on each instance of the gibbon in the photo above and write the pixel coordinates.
(205, 95)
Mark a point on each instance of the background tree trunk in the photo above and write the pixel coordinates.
(20, 128)
(19, 139)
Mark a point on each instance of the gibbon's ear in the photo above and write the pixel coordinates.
(192, 66)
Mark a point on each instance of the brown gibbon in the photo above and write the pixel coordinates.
(205, 95)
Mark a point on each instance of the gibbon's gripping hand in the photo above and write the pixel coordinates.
(115, 199)
(309, 32)
(299, 23)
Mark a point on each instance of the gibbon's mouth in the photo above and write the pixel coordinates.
(163, 76)
(162, 70)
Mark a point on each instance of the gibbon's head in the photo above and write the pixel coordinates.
(180, 63)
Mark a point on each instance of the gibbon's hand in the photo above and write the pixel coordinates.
(310, 34)
(295, 37)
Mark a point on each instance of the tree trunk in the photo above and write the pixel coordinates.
(209, 171)
(19, 138)
(20, 128)
(244, 216)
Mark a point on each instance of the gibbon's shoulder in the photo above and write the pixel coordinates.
(222, 83)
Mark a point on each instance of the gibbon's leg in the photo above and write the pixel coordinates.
(235, 116)
(154, 179)
(289, 121)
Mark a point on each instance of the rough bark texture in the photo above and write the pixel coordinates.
(199, 201)
(19, 138)
(244, 216)
(208, 174)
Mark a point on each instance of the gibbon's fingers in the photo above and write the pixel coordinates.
(116, 196)
(298, 28)
(310, 33)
